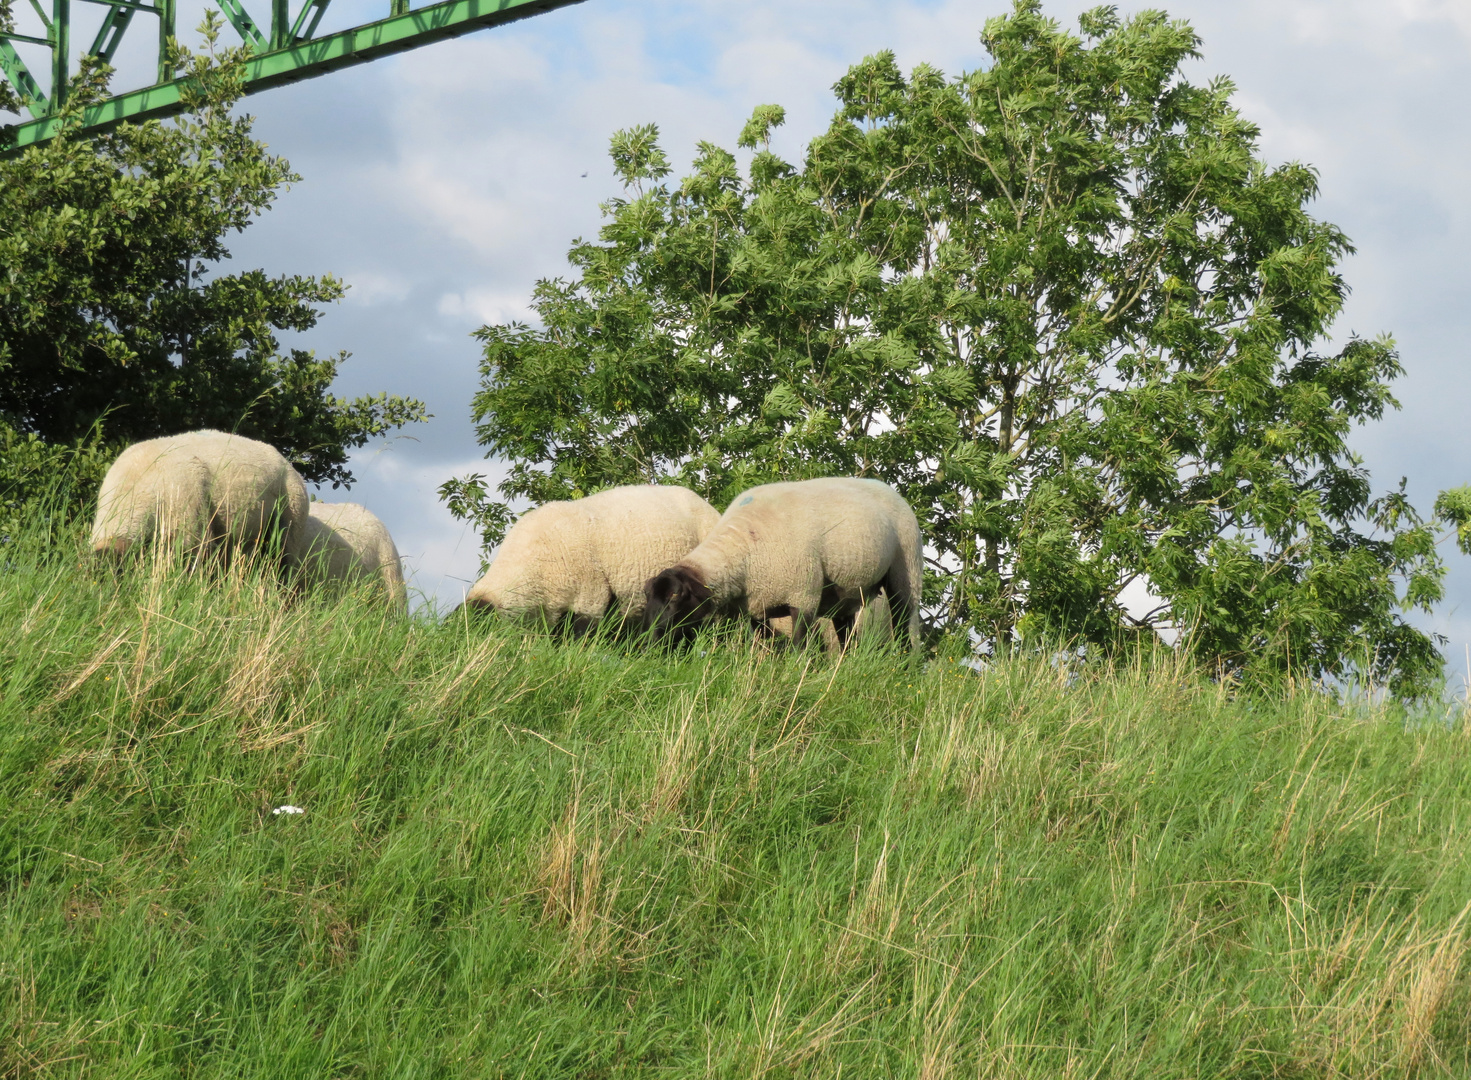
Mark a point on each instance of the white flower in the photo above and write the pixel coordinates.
(288, 809)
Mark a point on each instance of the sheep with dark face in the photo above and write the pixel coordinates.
(792, 553)
(344, 542)
(574, 559)
(197, 491)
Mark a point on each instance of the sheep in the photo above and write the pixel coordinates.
(346, 542)
(196, 491)
(574, 558)
(795, 552)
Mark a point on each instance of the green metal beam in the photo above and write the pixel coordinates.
(61, 43)
(244, 25)
(312, 11)
(110, 33)
(21, 78)
(303, 59)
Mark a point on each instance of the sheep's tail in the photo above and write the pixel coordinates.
(904, 583)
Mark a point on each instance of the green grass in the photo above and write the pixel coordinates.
(521, 858)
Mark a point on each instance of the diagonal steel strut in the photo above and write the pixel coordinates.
(297, 56)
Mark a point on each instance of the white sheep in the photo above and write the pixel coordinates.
(575, 558)
(347, 542)
(196, 490)
(795, 552)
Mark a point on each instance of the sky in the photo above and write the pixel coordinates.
(442, 183)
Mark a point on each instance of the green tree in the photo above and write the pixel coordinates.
(1060, 302)
(115, 323)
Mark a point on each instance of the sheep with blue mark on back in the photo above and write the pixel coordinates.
(573, 559)
(345, 542)
(795, 552)
(202, 490)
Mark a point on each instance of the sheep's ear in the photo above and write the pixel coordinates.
(663, 588)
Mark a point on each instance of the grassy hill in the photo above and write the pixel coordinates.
(526, 859)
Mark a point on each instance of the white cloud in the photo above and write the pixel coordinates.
(487, 306)
(370, 289)
(1372, 23)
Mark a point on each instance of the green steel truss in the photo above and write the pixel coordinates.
(285, 50)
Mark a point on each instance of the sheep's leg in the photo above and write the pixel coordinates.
(844, 626)
(787, 621)
(587, 610)
(581, 625)
(873, 626)
(842, 607)
(807, 621)
(903, 604)
(793, 623)
(832, 637)
(201, 545)
(806, 604)
(780, 620)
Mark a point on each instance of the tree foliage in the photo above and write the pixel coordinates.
(114, 320)
(1060, 302)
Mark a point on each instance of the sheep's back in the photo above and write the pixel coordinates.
(848, 530)
(637, 531)
(155, 489)
(540, 562)
(346, 541)
(253, 486)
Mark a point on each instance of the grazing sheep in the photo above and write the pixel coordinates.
(795, 552)
(346, 542)
(197, 490)
(574, 558)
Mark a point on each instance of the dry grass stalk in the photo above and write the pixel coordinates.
(471, 671)
(1431, 978)
(935, 993)
(271, 730)
(1386, 982)
(329, 930)
(31, 620)
(783, 1048)
(30, 1044)
(872, 917)
(674, 774)
(955, 743)
(259, 672)
(574, 892)
(983, 758)
(151, 664)
(294, 728)
(91, 668)
(559, 862)
(1285, 830)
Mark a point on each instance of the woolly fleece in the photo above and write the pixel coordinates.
(197, 488)
(347, 542)
(577, 557)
